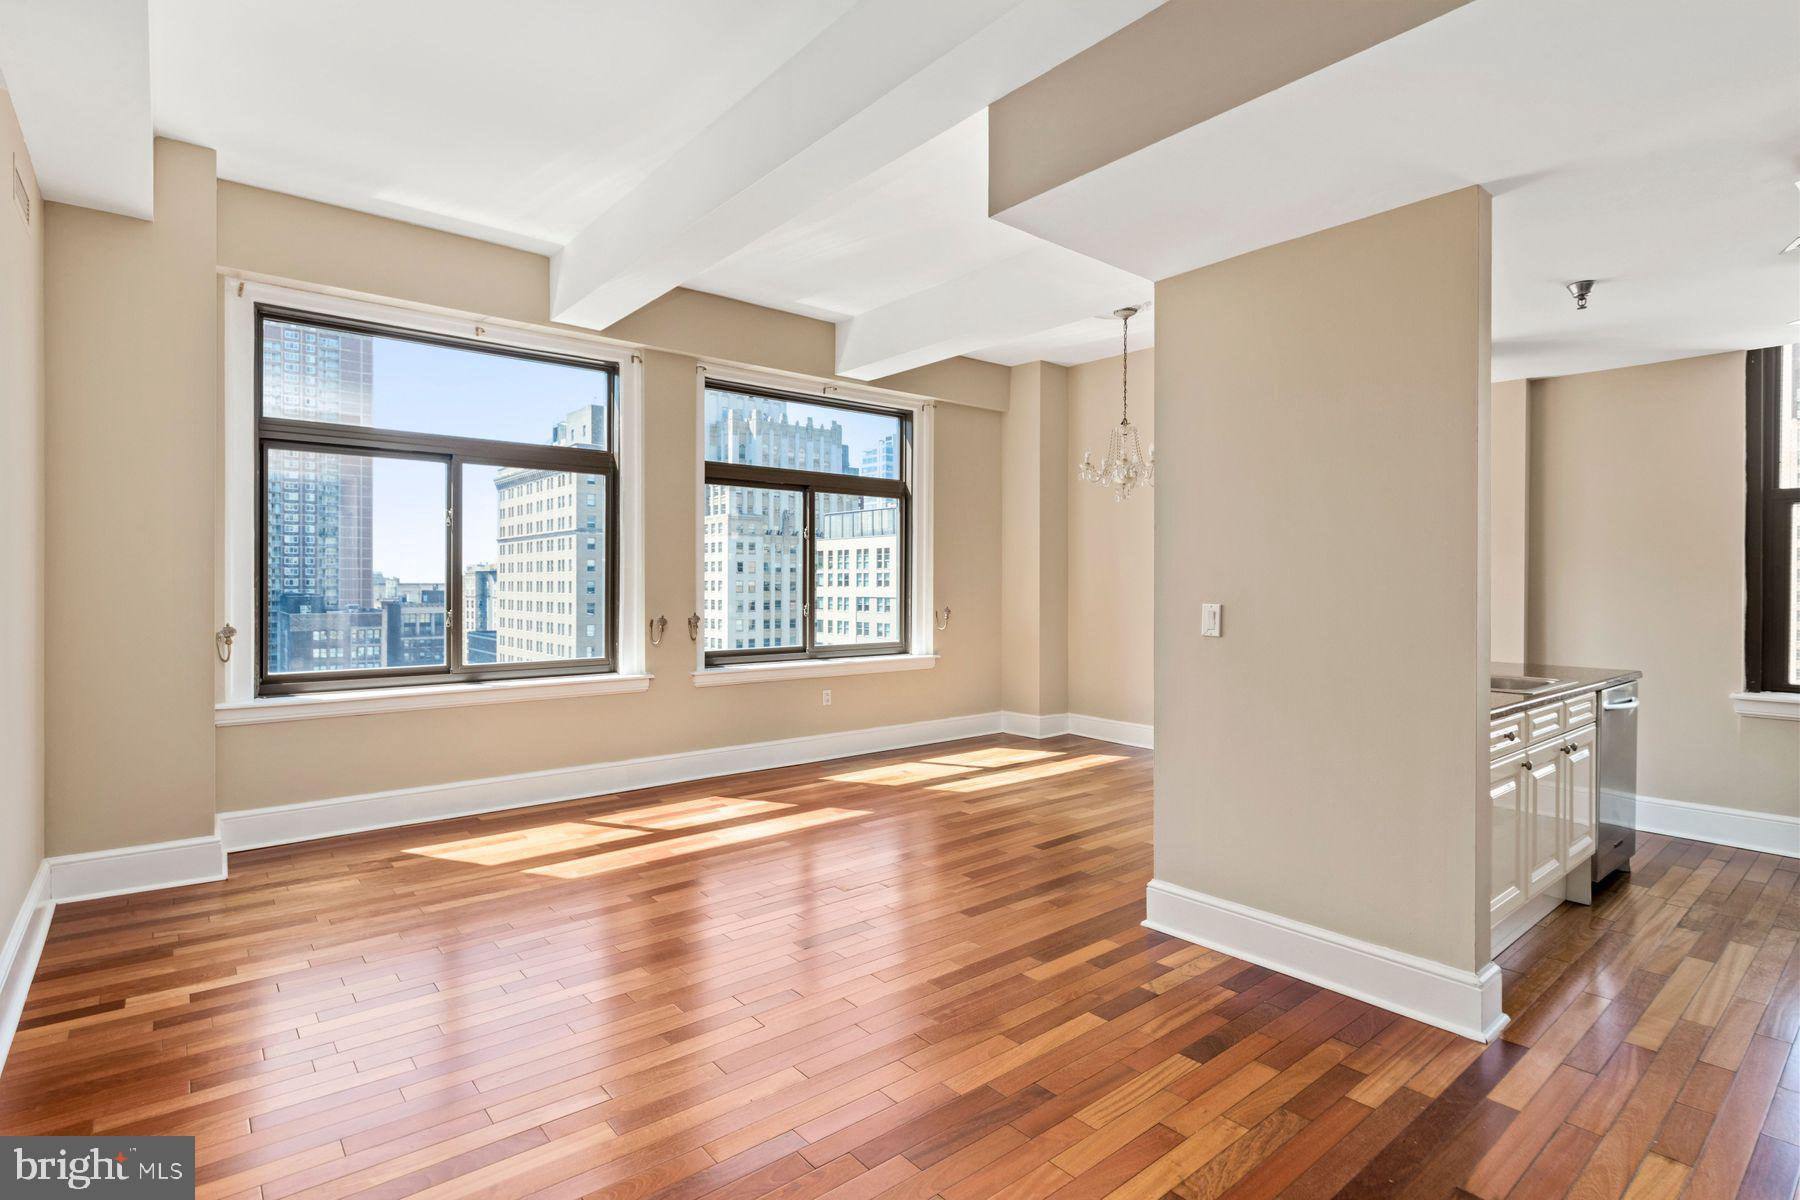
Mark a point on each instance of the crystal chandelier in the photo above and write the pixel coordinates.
(1126, 464)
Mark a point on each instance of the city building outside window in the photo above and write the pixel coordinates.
(796, 487)
(418, 495)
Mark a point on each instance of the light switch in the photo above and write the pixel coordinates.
(1211, 619)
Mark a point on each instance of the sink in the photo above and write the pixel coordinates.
(1524, 685)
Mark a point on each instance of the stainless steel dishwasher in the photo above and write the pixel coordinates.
(1616, 832)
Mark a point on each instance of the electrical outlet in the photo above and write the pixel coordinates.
(825, 698)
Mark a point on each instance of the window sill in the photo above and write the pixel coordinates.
(812, 668)
(315, 705)
(1775, 706)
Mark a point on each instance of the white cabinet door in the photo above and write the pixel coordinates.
(1542, 771)
(1506, 792)
(1580, 791)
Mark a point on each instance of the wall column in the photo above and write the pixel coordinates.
(1034, 541)
(131, 378)
(1322, 460)
(1510, 516)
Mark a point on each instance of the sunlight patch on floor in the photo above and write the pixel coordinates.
(495, 849)
(682, 814)
(635, 856)
(901, 774)
(1026, 774)
(996, 756)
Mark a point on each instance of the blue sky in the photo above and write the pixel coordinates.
(437, 389)
(440, 389)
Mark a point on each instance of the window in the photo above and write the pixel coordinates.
(797, 489)
(1772, 523)
(431, 510)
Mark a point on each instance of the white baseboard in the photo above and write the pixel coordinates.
(1464, 1002)
(128, 869)
(1105, 729)
(248, 829)
(19, 954)
(1125, 733)
(251, 828)
(1034, 725)
(1739, 827)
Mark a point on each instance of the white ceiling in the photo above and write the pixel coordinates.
(643, 144)
(913, 270)
(440, 112)
(81, 86)
(1651, 145)
(828, 157)
(918, 222)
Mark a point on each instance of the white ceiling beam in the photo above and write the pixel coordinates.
(1043, 288)
(79, 74)
(883, 79)
(1660, 165)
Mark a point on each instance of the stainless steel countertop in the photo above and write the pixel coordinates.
(1575, 681)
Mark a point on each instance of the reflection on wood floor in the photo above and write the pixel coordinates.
(911, 974)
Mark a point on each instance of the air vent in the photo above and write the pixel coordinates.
(21, 196)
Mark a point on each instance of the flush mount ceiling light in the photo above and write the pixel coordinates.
(1580, 289)
(1126, 464)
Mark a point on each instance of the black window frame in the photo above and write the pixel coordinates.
(1769, 557)
(810, 485)
(280, 433)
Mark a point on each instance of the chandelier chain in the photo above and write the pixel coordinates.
(1125, 371)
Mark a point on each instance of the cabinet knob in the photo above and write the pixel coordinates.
(1526, 764)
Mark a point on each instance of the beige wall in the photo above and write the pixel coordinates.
(285, 237)
(1321, 428)
(1182, 63)
(1508, 522)
(1034, 482)
(1637, 560)
(264, 233)
(1111, 576)
(131, 381)
(21, 528)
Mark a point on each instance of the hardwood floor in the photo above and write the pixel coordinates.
(913, 974)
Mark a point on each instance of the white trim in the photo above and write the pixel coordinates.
(825, 388)
(128, 869)
(238, 505)
(634, 632)
(1105, 729)
(313, 705)
(922, 567)
(1464, 1002)
(19, 954)
(1770, 833)
(811, 668)
(1777, 706)
(1034, 725)
(247, 829)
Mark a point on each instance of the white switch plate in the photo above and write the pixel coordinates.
(1211, 619)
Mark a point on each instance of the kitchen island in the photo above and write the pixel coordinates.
(1549, 815)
